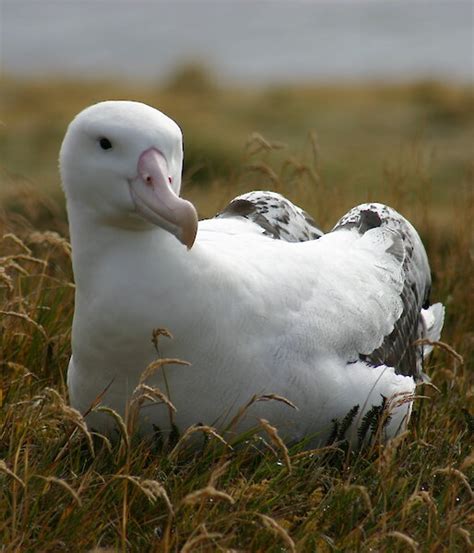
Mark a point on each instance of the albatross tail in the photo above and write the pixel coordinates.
(432, 320)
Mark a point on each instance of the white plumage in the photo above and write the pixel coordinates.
(257, 306)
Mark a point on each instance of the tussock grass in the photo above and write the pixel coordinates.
(65, 488)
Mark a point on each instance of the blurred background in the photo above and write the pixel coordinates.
(243, 41)
(331, 102)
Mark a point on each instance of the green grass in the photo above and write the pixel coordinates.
(409, 146)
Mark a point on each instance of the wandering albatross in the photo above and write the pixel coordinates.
(258, 299)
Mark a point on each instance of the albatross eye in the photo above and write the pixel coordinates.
(105, 143)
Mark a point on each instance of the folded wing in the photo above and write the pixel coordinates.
(276, 216)
(417, 319)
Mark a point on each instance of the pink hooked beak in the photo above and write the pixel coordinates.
(156, 200)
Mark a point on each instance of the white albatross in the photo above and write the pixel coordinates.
(258, 300)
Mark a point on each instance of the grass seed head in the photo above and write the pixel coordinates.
(5, 470)
(209, 492)
(202, 537)
(273, 525)
(63, 484)
(158, 364)
(277, 442)
(196, 428)
(404, 538)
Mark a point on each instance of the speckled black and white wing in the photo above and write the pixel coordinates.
(418, 319)
(275, 215)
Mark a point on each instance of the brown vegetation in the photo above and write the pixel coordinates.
(62, 488)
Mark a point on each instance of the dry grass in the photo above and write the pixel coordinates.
(63, 488)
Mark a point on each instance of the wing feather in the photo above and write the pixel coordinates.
(398, 348)
(275, 215)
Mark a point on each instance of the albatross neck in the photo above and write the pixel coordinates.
(96, 242)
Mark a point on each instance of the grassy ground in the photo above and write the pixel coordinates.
(63, 489)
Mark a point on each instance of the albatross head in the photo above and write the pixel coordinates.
(121, 162)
